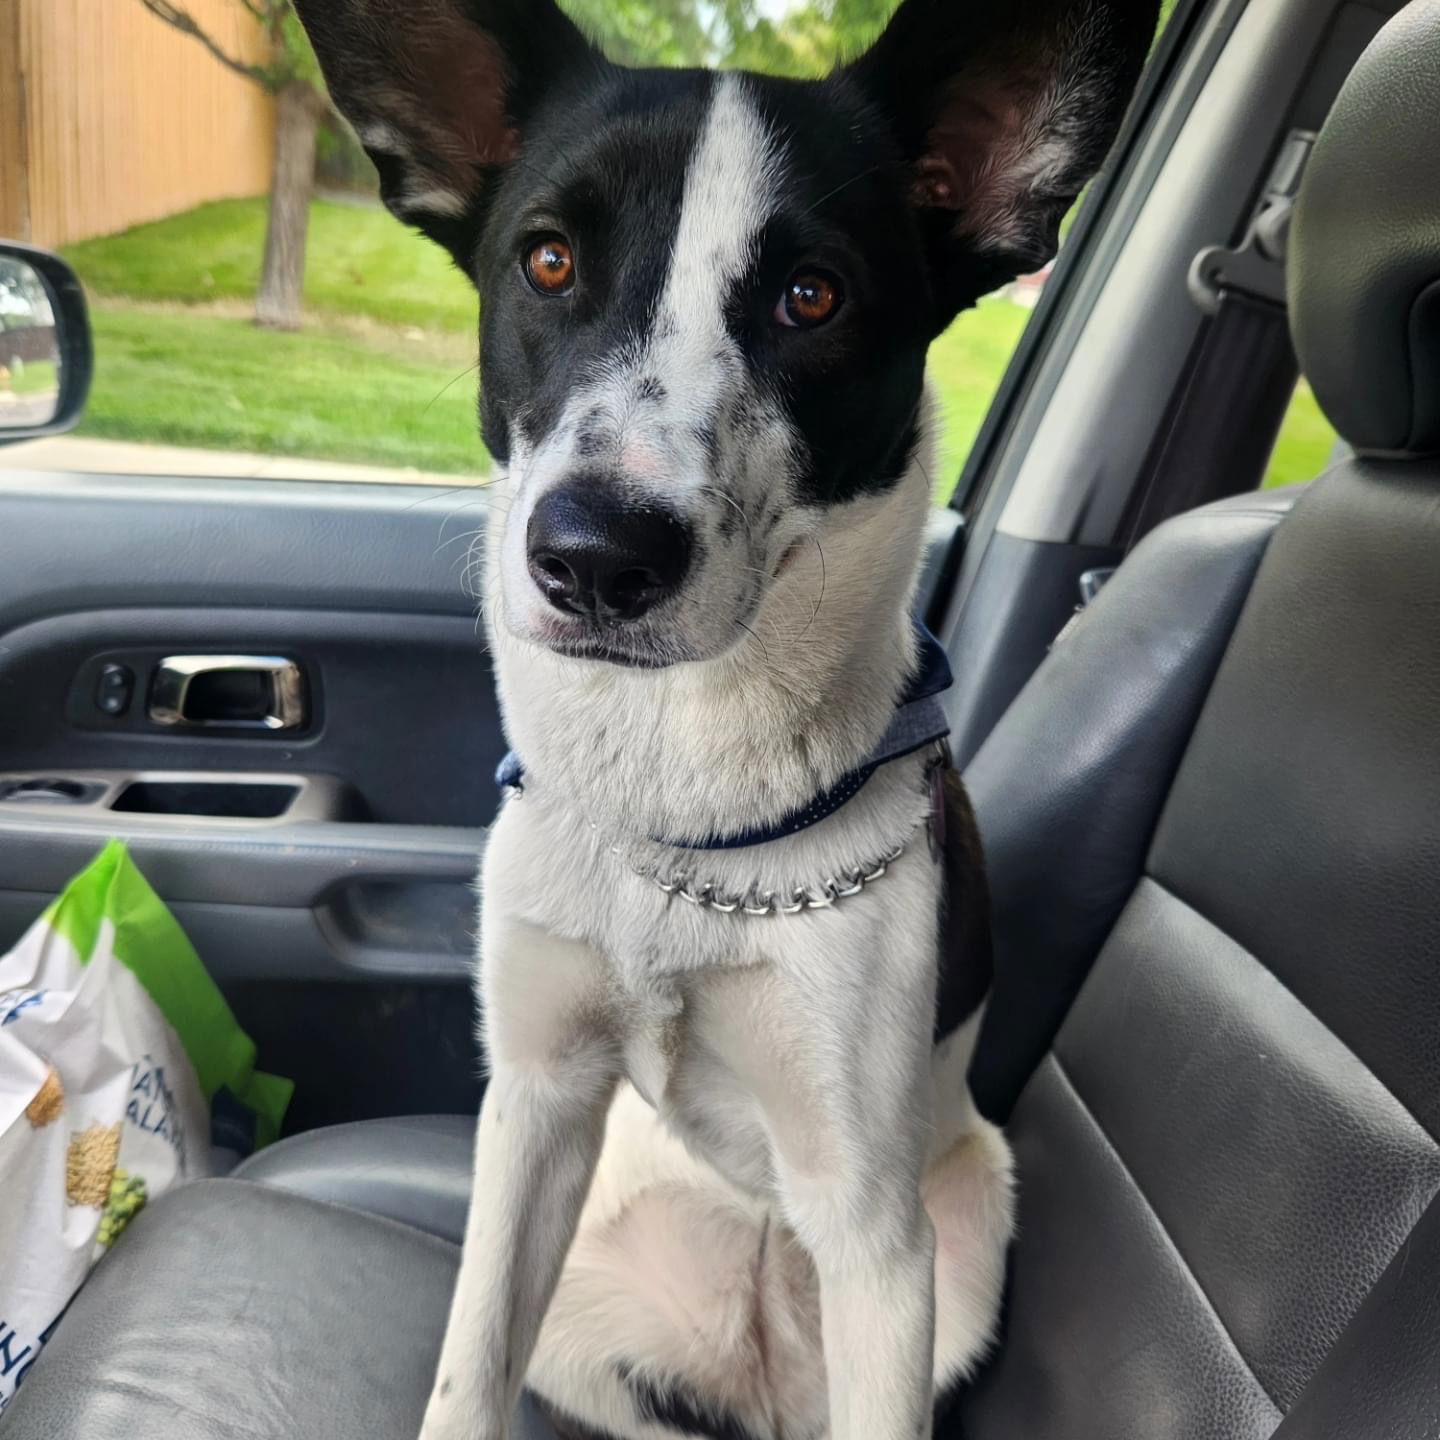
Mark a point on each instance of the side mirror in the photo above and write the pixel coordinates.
(45, 352)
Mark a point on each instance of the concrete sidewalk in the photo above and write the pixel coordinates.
(121, 457)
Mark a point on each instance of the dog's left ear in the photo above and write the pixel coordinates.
(439, 92)
(1004, 109)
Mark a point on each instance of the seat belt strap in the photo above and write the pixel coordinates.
(1221, 424)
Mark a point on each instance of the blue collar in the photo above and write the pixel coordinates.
(919, 720)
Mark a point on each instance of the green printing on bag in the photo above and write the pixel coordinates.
(151, 945)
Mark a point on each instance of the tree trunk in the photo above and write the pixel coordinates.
(278, 305)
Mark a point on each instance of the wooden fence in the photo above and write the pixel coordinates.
(109, 118)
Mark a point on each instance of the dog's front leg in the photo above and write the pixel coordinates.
(553, 1061)
(849, 1127)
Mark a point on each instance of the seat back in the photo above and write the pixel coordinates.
(1228, 1159)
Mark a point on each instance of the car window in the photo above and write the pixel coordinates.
(256, 311)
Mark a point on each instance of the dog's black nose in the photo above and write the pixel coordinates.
(593, 554)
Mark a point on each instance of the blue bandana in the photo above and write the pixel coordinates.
(919, 720)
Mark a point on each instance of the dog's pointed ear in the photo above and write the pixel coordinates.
(1004, 109)
(438, 92)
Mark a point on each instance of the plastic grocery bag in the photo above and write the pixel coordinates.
(114, 1043)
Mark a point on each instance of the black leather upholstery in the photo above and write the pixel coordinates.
(236, 1311)
(1068, 789)
(1235, 1135)
(1364, 251)
(1305, 819)
(1107, 1336)
(1283, 1171)
(414, 1169)
(1382, 1377)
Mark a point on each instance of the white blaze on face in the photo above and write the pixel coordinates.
(730, 190)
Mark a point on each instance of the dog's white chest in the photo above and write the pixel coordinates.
(732, 1027)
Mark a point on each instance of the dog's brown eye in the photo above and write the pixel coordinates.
(550, 267)
(810, 299)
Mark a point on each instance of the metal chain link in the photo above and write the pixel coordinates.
(767, 902)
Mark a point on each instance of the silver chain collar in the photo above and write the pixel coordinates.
(768, 902)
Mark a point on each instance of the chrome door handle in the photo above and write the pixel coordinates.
(230, 692)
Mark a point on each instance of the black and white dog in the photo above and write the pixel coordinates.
(712, 925)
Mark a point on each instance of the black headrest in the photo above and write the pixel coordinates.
(1364, 257)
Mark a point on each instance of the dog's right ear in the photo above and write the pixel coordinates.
(438, 92)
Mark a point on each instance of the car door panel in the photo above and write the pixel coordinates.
(341, 931)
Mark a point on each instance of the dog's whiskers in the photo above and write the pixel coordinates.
(820, 599)
(929, 478)
(755, 636)
(474, 568)
(730, 500)
(468, 370)
(470, 535)
(470, 488)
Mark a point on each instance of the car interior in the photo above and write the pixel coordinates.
(1197, 719)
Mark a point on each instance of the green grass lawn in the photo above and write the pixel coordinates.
(966, 364)
(359, 262)
(1305, 442)
(379, 374)
(219, 383)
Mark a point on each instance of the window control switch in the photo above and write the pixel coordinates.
(115, 689)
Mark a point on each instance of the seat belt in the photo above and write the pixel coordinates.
(1221, 424)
